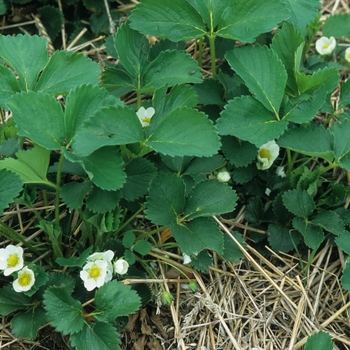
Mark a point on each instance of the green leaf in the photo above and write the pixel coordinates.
(185, 132)
(132, 48)
(343, 241)
(320, 341)
(117, 81)
(205, 165)
(128, 239)
(11, 301)
(303, 108)
(26, 325)
(52, 19)
(298, 139)
(341, 144)
(113, 125)
(73, 193)
(298, 202)
(31, 165)
(329, 221)
(81, 103)
(115, 299)
(8, 85)
(139, 173)
(344, 100)
(247, 119)
(142, 247)
(74, 261)
(202, 261)
(39, 117)
(102, 201)
(313, 235)
(337, 25)
(345, 278)
(263, 72)
(64, 312)
(210, 92)
(284, 44)
(210, 197)
(302, 12)
(105, 169)
(170, 68)
(231, 250)
(10, 187)
(281, 238)
(238, 152)
(26, 55)
(65, 71)
(176, 20)
(198, 234)
(97, 336)
(166, 199)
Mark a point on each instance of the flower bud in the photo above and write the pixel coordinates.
(121, 266)
(193, 286)
(224, 176)
(167, 298)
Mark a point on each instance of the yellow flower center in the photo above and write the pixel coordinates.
(146, 120)
(348, 55)
(12, 260)
(24, 279)
(325, 46)
(264, 153)
(95, 271)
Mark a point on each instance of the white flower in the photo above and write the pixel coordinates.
(105, 256)
(267, 191)
(347, 54)
(280, 171)
(121, 266)
(11, 259)
(145, 115)
(187, 259)
(24, 281)
(224, 176)
(267, 154)
(94, 274)
(325, 46)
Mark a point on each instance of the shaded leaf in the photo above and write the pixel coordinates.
(298, 202)
(329, 221)
(281, 238)
(11, 301)
(73, 193)
(10, 187)
(313, 235)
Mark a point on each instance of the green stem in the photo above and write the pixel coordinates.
(87, 227)
(131, 219)
(200, 52)
(58, 190)
(138, 102)
(212, 54)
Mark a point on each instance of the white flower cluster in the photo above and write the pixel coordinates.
(99, 269)
(11, 260)
(325, 46)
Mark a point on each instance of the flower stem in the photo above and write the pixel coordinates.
(58, 190)
(212, 54)
(200, 52)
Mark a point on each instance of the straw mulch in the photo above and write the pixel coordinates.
(261, 303)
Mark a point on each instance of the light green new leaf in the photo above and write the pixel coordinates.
(26, 55)
(81, 103)
(166, 199)
(302, 12)
(284, 44)
(298, 139)
(132, 48)
(328, 77)
(263, 72)
(31, 165)
(112, 125)
(26, 325)
(38, 116)
(104, 167)
(170, 68)
(185, 132)
(303, 108)
(97, 336)
(341, 143)
(337, 25)
(247, 119)
(64, 312)
(329, 221)
(8, 85)
(10, 187)
(175, 20)
(298, 202)
(344, 100)
(210, 197)
(11, 301)
(313, 235)
(65, 71)
(198, 234)
(115, 299)
(320, 341)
